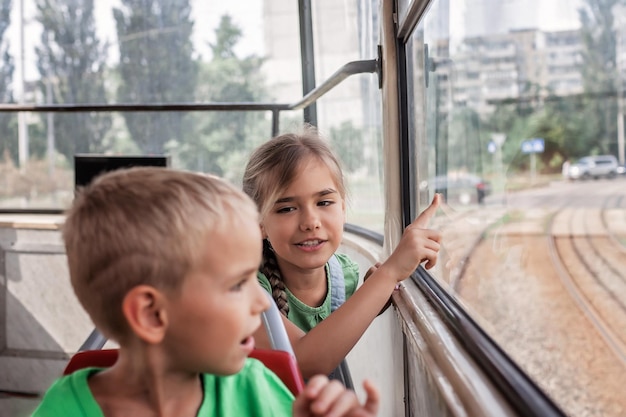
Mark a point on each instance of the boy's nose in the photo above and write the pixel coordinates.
(262, 299)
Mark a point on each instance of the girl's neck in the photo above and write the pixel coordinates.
(309, 286)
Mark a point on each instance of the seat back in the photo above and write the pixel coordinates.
(104, 358)
(282, 363)
(273, 323)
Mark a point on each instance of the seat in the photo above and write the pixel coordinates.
(97, 358)
(282, 363)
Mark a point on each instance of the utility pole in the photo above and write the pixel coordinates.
(619, 31)
(498, 140)
(22, 129)
(50, 138)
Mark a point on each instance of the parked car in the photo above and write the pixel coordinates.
(593, 167)
(621, 169)
(459, 188)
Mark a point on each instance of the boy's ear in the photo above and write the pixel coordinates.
(145, 312)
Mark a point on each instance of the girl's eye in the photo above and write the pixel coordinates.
(285, 210)
(325, 203)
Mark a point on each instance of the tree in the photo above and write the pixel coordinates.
(348, 143)
(599, 72)
(7, 120)
(223, 140)
(71, 61)
(465, 140)
(156, 66)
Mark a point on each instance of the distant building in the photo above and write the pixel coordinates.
(344, 31)
(522, 64)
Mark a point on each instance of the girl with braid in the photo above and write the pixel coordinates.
(298, 186)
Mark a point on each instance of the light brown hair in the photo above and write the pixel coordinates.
(142, 226)
(270, 170)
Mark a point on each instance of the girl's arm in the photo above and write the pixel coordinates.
(323, 347)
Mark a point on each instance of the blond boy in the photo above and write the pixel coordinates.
(164, 262)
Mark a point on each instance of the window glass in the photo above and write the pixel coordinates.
(136, 52)
(504, 99)
(350, 114)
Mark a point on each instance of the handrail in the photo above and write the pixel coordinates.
(158, 107)
(351, 68)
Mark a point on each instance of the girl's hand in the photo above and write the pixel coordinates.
(418, 244)
(371, 270)
(322, 397)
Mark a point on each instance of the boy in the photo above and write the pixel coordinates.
(165, 263)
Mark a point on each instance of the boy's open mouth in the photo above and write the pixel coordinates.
(248, 343)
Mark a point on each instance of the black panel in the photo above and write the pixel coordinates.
(89, 166)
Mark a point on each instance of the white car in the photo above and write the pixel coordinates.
(593, 167)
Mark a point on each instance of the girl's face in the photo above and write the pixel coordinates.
(305, 223)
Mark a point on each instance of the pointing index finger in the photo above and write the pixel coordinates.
(424, 218)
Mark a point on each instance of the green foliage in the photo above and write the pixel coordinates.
(599, 71)
(156, 66)
(570, 126)
(465, 142)
(347, 143)
(71, 62)
(223, 140)
(8, 129)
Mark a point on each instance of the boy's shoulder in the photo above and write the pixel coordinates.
(255, 390)
(70, 396)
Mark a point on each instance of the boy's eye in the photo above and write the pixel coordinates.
(238, 286)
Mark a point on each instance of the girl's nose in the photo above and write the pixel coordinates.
(310, 221)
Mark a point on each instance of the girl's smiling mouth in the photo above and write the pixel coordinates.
(311, 244)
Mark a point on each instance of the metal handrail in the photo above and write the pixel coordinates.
(351, 68)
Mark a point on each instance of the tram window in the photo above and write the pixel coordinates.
(350, 114)
(537, 260)
(207, 51)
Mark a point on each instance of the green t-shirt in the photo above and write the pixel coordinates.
(255, 391)
(307, 317)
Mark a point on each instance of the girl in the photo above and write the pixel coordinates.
(298, 186)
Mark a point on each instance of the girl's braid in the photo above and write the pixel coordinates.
(269, 268)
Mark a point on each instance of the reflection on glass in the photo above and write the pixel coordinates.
(189, 51)
(505, 99)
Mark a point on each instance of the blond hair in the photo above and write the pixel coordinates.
(270, 170)
(142, 226)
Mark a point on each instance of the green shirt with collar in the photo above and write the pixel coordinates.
(307, 317)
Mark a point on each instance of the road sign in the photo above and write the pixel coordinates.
(534, 145)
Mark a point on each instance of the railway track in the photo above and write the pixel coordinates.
(590, 260)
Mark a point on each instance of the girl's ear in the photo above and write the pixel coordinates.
(144, 309)
(263, 234)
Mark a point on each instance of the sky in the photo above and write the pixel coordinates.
(480, 17)
(247, 14)
(467, 18)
